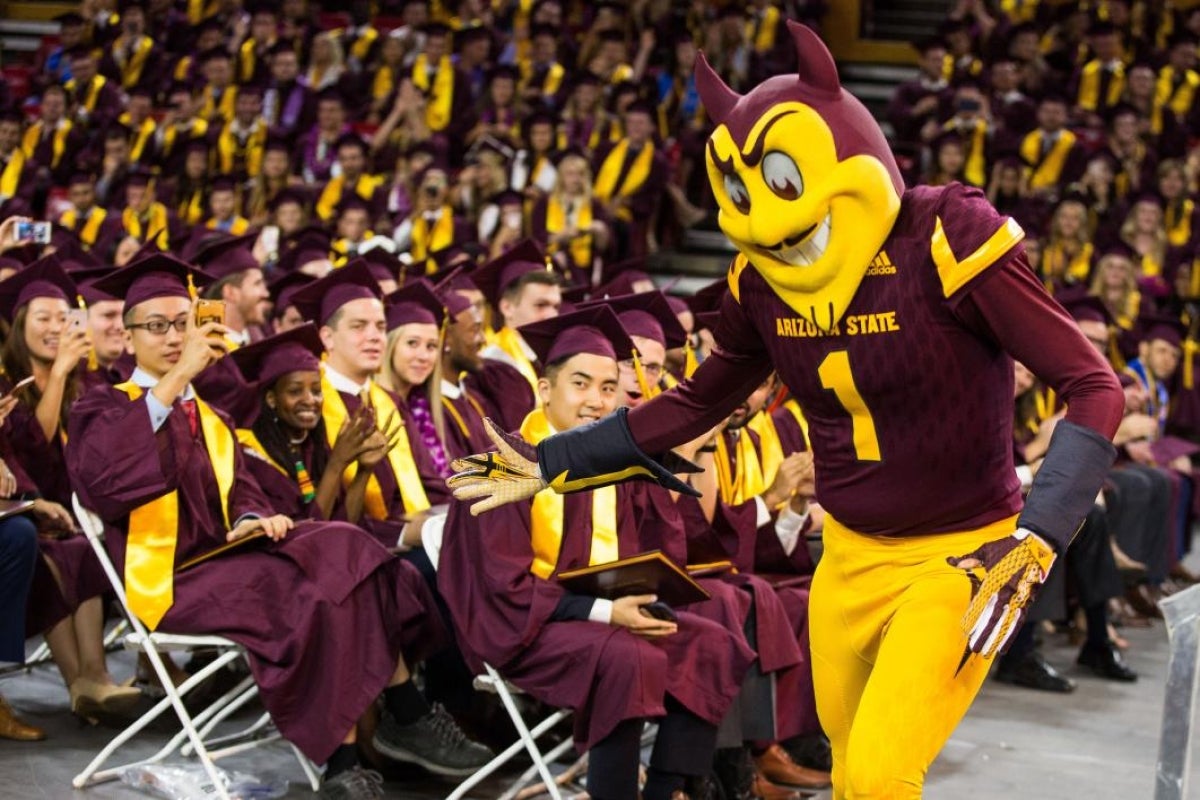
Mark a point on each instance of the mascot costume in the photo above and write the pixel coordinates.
(894, 316)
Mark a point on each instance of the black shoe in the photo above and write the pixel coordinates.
(1105, 660)
(1033, 672)
(811, 751)
(733, 768)
(434, 742)
(355, 783)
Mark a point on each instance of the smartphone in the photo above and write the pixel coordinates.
(77, 319)
(210, 311)
(34, 232)
(270, 238)
(660, 610)
(21, 384)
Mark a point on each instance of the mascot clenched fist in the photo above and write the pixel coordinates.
(894, 316)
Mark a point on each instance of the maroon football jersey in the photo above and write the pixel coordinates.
(909, 397)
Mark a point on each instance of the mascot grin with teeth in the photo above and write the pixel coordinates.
(894, 316)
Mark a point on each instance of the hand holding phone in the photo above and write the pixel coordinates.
(30, 232)
(210, 311)
(660, 610)
(77, 320)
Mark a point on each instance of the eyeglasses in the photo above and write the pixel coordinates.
(159, 327)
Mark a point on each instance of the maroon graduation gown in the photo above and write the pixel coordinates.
(323, 614)
(80, 575)
(503, 392)
(502, 613)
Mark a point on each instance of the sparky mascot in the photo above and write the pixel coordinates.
(894, 316)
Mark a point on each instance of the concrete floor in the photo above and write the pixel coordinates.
(1099, 743)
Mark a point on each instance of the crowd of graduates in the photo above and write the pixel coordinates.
(422, 215)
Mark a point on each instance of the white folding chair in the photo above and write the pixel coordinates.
(194, 727)
(491, 681)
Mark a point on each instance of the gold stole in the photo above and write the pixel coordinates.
(1179, 223)
(440, 95)
(763, 424)
(1047, 172)
(224, 108)
(509, 341)
(10, 179)
(1055, 264)
(131, 73)
(1089, 86)
(1045, 403)
(200, 10)
(154, 526)
(58, 141)
(362, 45)
(1167, 95)
(745, 480)
(400, 457)
(93, 91)
(580, 247)
(140, 136)
(192, 210)
(384, 82)
(426, 240)
(227, 148)
(183, 68)
(1019, 11)
(249, 441)
(450, 408)
(606, 179)
(546, 514)
(975, 171)
(198, 130)
(552, 80)
(762, 32)
(91, 228)
(157, 227)
(331, 195)
(239, 225)
(1150, 266)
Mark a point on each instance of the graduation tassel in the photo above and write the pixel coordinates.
(690, 362)
(191, 288)
(306, 484)
(93, 363)
(643, 384)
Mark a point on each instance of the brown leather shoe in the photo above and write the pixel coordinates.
(778, 767)
(764, 789)
(13, 728)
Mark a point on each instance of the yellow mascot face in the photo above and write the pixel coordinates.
(807, 186)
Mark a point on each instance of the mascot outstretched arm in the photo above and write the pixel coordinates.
(894, 316)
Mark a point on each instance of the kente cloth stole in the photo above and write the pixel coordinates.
(580, 248)
(440, 94)
(546, 514)
(606, 179)
(154, 526)
(509, 341)
(1045, 171)
(400, 457)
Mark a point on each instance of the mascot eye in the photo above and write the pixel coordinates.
(782, 175)
(738, 194)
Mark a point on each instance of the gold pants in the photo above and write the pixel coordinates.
(885, 616)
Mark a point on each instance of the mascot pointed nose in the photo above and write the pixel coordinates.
(716, 95)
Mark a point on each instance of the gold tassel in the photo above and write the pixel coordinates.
(643, 384)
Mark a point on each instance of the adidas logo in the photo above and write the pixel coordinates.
(881, 265)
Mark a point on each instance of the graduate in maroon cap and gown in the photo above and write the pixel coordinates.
(348, 309)
(241, 286)
(329, 618)
(108, 363)
(68, 580)
(286, 448)
(97, 228)
(609, 662)
(465, 406)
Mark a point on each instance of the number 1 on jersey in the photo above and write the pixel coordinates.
(837, 378)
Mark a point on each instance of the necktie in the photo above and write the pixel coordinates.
(189, 408)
